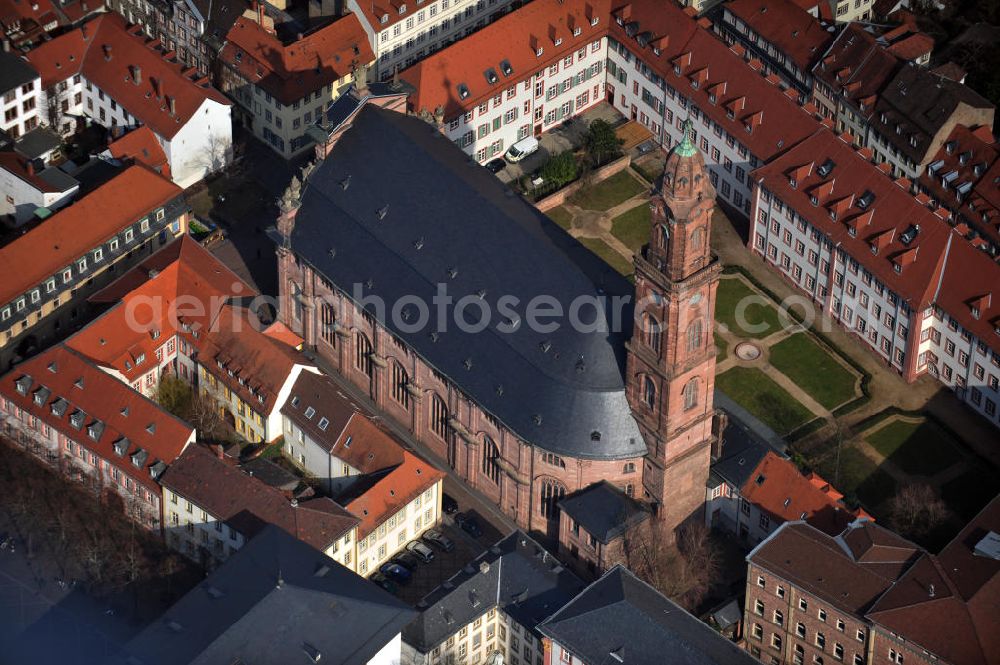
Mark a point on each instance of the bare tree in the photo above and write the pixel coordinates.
(916, 510)
(197, 409)
(680, 567)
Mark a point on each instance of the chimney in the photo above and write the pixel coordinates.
(136, 74)
(171, 105)
(260, 12)
(83, 31)
(156, 86)
(30, 167)
(107, 51)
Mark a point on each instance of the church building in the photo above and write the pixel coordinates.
(392, 215)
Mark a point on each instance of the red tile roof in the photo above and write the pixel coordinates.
(102, 398)
(349, 435)
(514, 38)
(23, 169)
(177, 280)
(290, 72)
(857, 66)
(81, 226)
(966, 159)
(881, 223)
(938, 267)
(785, 24)
(248, 505)
(251, 364)
(392, 492)
(21, 20)
(141, 145)
(779, 488)
(106, 52)
(283, 334)
(824, 566)
(777, 122)
(948, 604)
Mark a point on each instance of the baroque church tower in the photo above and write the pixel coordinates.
(671, 356)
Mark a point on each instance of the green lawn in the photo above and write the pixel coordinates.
(918, 448)
(608, 193)
(814, 370)
(632, 227)
(561, 216)
(758, 394)
(859, 478)
(610, 256)
(731, 293)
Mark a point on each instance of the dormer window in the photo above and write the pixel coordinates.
(897, 267)
(874, 248)
(323, 424)
(813, 200)
(310, 412)
(558, 41)
(594, 21)
(851, 231)
(656, 51)
(793, 183)
(539, 51)
(975, 313)
(384, 19)
(677, 70)
(833, 215)
(712, 99)
(402, 9)
(731, 114)
(576, 31)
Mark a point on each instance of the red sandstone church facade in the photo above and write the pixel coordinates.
(669, 383)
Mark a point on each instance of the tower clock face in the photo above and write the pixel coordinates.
(695, 299)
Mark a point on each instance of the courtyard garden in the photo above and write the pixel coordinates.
(761, 318)
(608, 193)
(756, 392)
(632, 227)
(917, 447)
(823, 377)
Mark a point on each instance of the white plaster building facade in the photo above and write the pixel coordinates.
(21, 103)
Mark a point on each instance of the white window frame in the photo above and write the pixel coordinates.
(129, 235)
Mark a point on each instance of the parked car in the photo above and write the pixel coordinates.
(395, 572)
(469, 524)
(496, 165)
(417, 550)
(407, 560)
(383, 581)
(438, 539)
(448, 504)
(522, 149)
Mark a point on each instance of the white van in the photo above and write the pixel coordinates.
(522, 149)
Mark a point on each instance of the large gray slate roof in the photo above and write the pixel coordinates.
(449, 222)
(742, 451)
(620, 620)
(276, 600)
(517, 575)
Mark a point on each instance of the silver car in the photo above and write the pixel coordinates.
(438, 539)
(419, 550)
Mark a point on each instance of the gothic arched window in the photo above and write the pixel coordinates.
(694, 335)
(552, 492)
(664, 235)
(649, 392)
(400, 379)
(491, 453)
(651, 327)
(439, 417)
(362, 357)
(691, 394)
